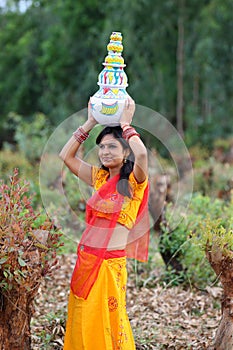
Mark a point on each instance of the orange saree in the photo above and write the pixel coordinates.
(97, 318)
(100, 322)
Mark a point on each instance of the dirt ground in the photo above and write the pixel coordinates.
(161, 317)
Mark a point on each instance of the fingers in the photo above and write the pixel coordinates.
(129, 102)
(128, 111)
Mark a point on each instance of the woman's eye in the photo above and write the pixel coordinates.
(108, 146)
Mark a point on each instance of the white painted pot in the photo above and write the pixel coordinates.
(108, 111)
(108, 102)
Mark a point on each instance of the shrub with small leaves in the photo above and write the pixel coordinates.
(185, 245)
(215, 238)
(28, 240)
(31, 137)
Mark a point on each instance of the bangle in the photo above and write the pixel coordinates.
(80, 135)
(129, 132)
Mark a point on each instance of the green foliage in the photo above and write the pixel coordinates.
(209, 55)
(223, 144)
(199, 155)
(28, 240)
(10, 160)
(32, 136)
(57, 79)
(20, 85)
(181, 243)
(216, 231)
(213, 179)
(216, 235)
(74, 195)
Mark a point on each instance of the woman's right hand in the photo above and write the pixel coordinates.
(90, 115)
(91, 122)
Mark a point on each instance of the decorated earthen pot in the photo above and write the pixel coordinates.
(108, 102)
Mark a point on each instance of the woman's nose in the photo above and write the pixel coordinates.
(105, 150)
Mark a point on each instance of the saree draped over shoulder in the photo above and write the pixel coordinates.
(97, 318)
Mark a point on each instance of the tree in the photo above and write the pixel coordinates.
(57, 48)
(209, 72)
(28, 244)
(220, 256)
(21, 80)
(215, 237)
(180, 70)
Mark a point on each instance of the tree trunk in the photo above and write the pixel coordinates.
(180, 70)
(196, 92)
(159, 192)
(16, 305)
(15, 318)
(222, 265)
(224, 336)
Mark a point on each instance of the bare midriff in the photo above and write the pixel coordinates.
(119, 234)
(119, 237)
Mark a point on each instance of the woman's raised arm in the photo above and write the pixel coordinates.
(140, 169)
(68, 154)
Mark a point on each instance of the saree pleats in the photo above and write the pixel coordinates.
(100, 322)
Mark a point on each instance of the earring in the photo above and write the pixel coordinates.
(125, 160)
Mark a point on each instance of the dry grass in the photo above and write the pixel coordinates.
(161, 318)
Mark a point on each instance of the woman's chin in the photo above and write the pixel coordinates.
(107, 163)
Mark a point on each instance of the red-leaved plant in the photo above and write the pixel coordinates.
(28, 245)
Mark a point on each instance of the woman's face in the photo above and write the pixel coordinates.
(111, 152)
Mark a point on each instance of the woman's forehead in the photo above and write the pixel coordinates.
(109, 138)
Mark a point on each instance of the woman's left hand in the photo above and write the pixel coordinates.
(128, 112)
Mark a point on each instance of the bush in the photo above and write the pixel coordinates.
(28, 246)
(181, 243)
(22, 233)
(214, 179)
(32, 137)
(223, 144)
(10, 160)
(199, 155)
(215, 238)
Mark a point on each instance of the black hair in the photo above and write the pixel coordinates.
(123, 186)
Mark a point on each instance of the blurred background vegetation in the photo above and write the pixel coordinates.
(178, 56)
(179, 63)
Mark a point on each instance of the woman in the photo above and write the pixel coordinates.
(117, 226)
